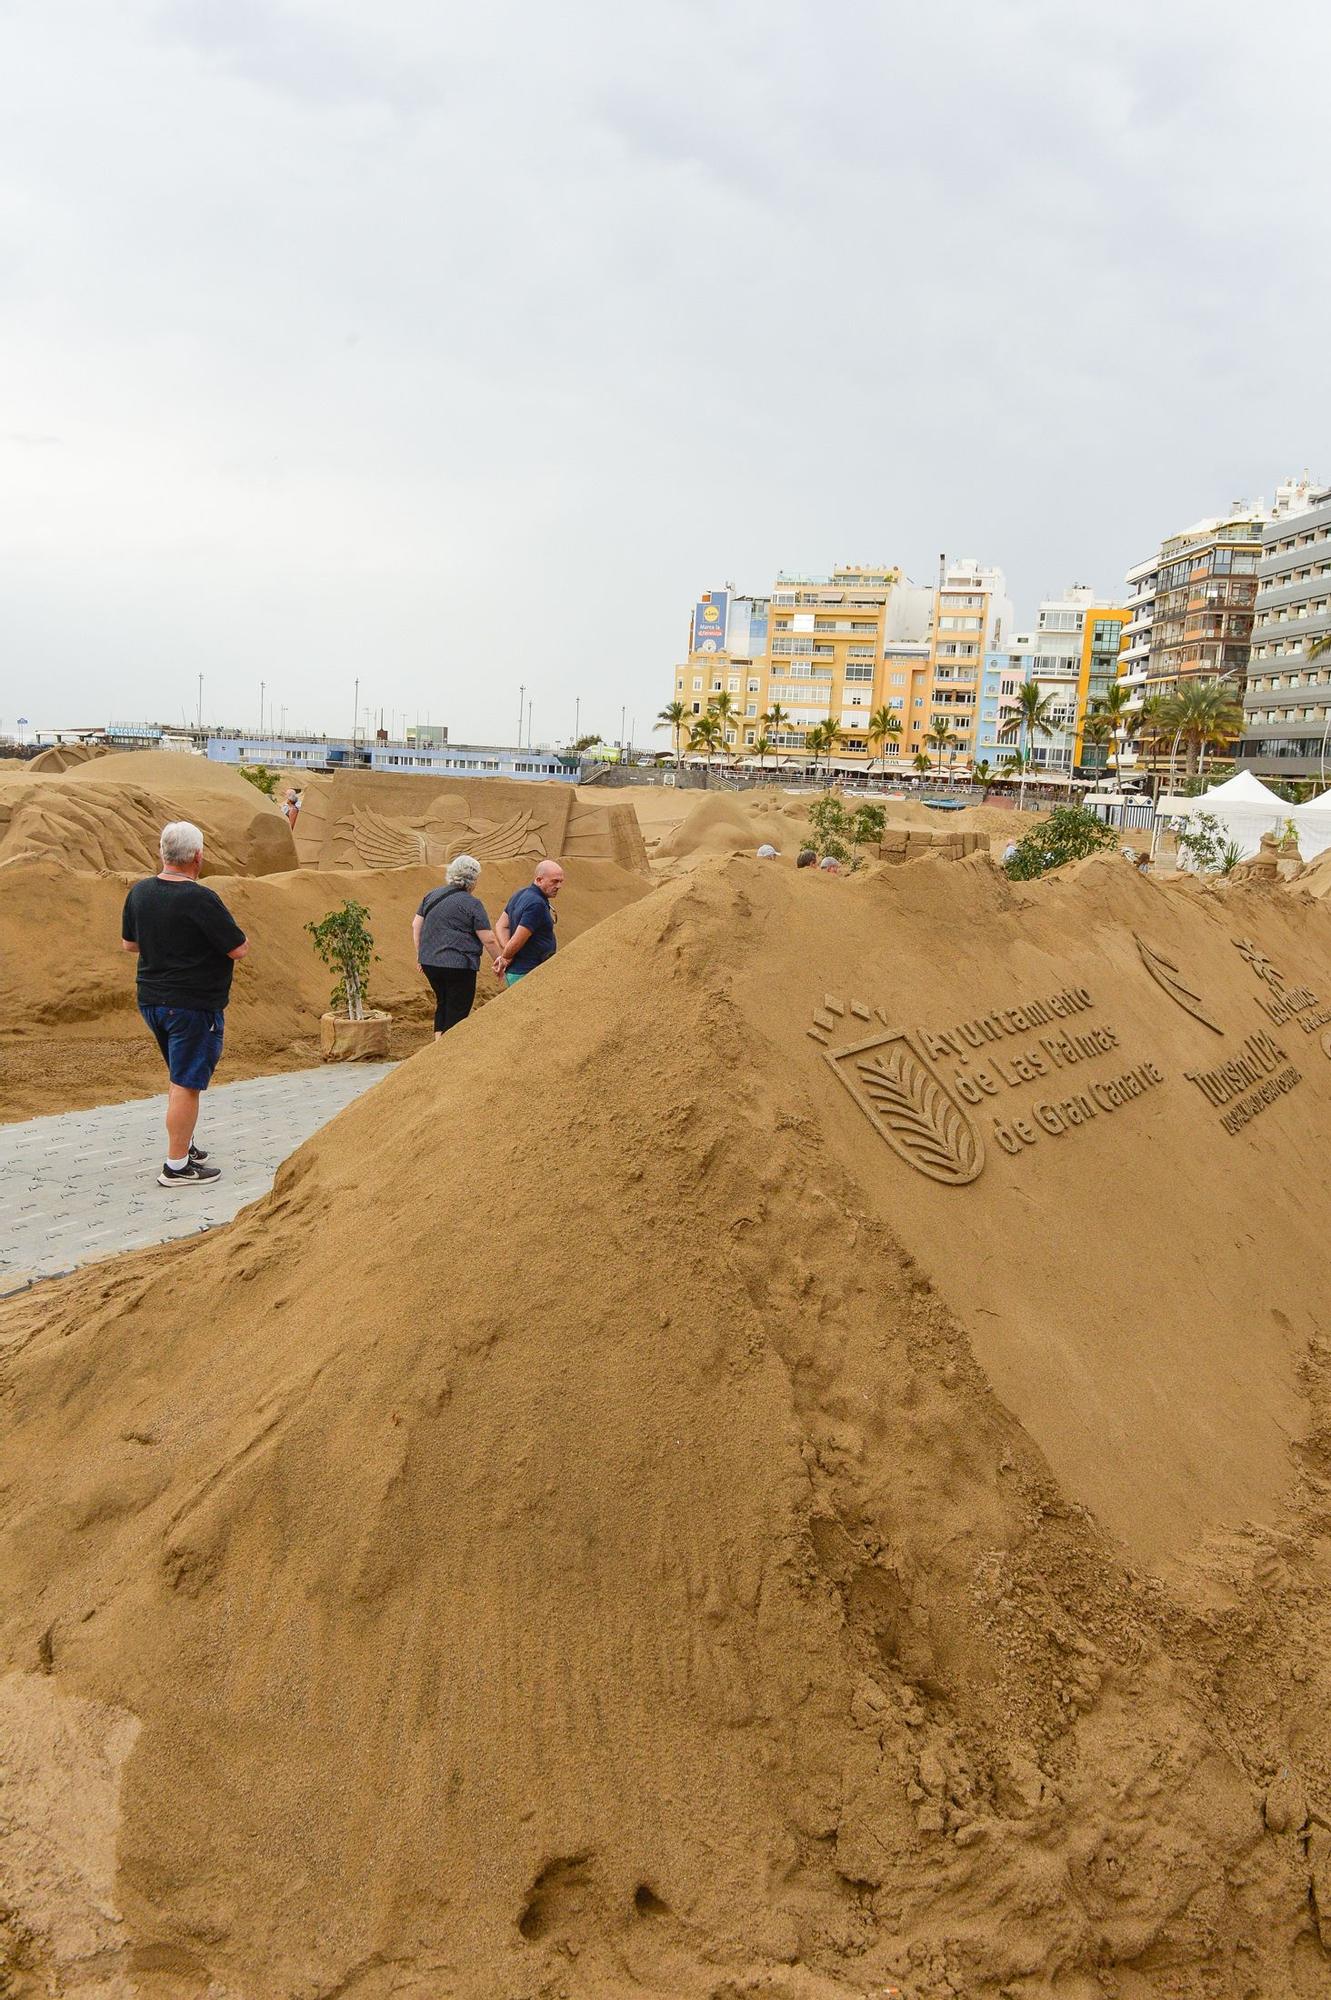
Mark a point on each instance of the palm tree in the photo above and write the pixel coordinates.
(1029, 716)
(723, 707)
(705, 734)
(1319, 646)
(761, 748)
(921, 761)
(775, 719)
(1204, 714)
(943, 737)
(980, 771)
(1148, 725)
(822, 737)
(1097, 728)
(883, 726)
(1115, 706)
(673, 716)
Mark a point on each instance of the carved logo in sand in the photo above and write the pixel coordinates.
(907, 1105)
(1168, 977)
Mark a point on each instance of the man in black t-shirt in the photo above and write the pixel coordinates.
(187, 943)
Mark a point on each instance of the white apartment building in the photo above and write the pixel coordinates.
(1051, 656)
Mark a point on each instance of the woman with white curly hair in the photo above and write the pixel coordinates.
(449, 930)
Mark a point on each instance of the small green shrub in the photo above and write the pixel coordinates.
(345, 943)
(260, 777)
(1069, 834)
(1202, 841)
(840, 832)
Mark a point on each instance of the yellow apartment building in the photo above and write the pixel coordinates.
(1101, 650)
(970, 628)
(837, 646)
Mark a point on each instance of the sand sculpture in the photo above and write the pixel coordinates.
(64, 756)
(106, 813)
(845, 1570)
(373, 819)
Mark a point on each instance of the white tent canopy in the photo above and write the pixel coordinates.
(1246, 809)
(1243, 789)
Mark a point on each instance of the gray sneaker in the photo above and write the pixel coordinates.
(192, 1174)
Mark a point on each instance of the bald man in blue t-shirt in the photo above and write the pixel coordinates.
(526, 927)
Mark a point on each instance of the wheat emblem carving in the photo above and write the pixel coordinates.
(904, 1102)
(1167, 976)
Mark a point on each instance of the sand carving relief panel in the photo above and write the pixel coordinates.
(380, 842)
(901, 1082)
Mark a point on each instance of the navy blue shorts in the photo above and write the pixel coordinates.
(190, 1039)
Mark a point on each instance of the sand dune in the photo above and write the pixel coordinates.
(893, 1550)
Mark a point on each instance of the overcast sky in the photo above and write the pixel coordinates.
(457, 347)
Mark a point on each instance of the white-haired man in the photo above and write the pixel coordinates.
(187, 943)
(526, 926)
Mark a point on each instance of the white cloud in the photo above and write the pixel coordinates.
(454, 348)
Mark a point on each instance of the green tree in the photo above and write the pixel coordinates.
(726, 710)
(822, 738)
(1320, 646)
(260, 777)
(345, 943)
(1031, 715)
(840, 831)
(673, 716)
(921, 761)
(1069, 834)
(981, 771)
(761, 749)
(1202, 714)
(943, 737)
(884, 728)
(1114, 710)
(705, 735)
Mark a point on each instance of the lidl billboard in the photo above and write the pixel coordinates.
(709, 622)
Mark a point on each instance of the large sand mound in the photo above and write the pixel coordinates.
(69, 1030)
(106, 814)
(761, 1601)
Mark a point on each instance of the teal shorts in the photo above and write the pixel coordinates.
(512, 978)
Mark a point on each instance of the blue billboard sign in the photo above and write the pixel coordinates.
(709, 622)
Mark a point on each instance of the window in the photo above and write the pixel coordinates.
(697, 687)
(898, 680)
(857, 673)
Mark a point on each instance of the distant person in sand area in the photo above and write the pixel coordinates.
(291, 805)
(449, 931)
(526, 927)
(768, 853)
(805, 858)
(830, 865)
(187, 943)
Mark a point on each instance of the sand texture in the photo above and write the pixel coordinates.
(893, 1551)
(104, 815)
(70, 1033)
(377, 819)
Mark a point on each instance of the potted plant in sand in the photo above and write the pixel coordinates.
(350, 1031)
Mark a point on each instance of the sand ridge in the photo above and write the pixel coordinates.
(887, 1580)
